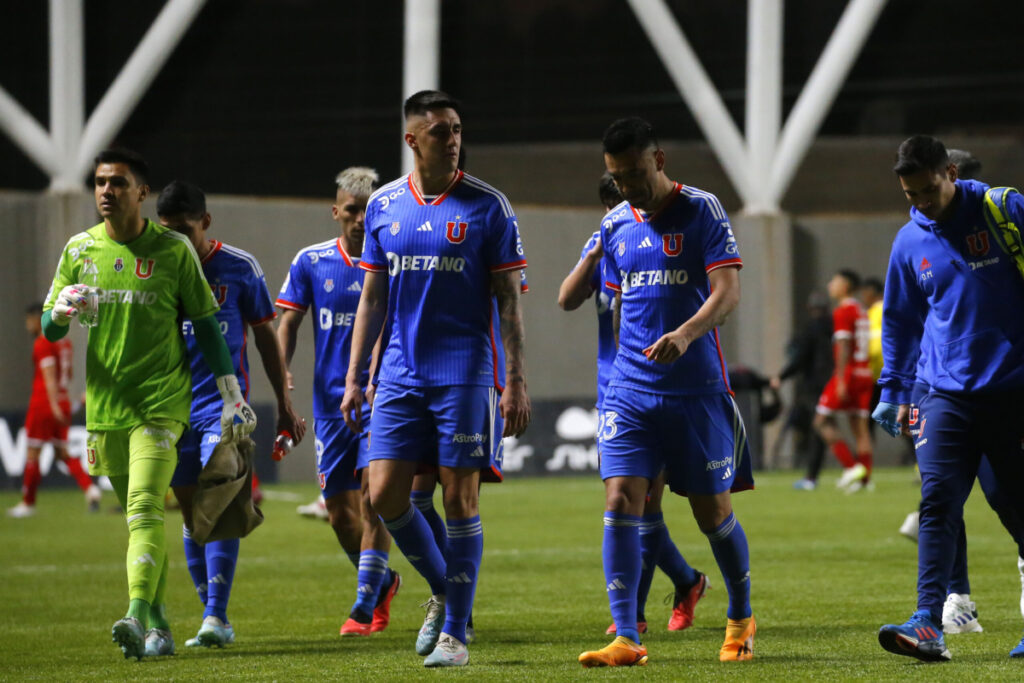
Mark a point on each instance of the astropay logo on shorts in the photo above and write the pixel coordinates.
(468, 438)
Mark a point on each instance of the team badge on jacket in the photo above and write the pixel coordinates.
(144, 273)
(329, 285)
(394, 228)
(118, 264)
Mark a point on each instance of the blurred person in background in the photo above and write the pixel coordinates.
(48, 416)
(809, 360)
(850, 387)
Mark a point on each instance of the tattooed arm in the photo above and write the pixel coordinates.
(515, 404)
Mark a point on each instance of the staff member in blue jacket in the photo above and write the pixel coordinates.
(953, 346)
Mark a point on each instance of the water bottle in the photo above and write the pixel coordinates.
(282, 445)
(89, 315)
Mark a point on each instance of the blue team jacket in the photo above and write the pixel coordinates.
(953, 314)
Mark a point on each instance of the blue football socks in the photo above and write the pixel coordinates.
(729, 546)
(414, 538)
(221, 558)
(621, 553)
(195, 559)
(465, 549)
(373, 568)
(424, 501)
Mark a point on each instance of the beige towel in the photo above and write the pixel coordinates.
(222, 506)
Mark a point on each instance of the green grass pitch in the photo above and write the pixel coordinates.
(827, 570)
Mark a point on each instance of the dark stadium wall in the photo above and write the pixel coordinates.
(266, 97)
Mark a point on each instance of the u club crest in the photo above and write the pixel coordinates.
(118, 264)
(394, 228)
(329, 285)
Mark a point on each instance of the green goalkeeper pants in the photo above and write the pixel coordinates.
(140, 462)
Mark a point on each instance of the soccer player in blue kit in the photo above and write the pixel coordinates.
(954, 349)
(240, 288)
(656, 546)
(439, 244)
(671, 257)
(326, 277)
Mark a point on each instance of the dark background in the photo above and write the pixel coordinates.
(269, 97)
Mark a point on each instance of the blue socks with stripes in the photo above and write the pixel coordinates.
(373, 568)
(729, 545)
(212, 568)
(414, 538)
(658, 551)
(621, 554)
(465, 549)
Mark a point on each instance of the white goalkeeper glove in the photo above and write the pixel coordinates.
(71, 301)
(237, 419)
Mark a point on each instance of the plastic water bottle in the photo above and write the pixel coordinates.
(89, 315)
(282, 445)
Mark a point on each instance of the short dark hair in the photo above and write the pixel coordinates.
(629, 133)
(967, 165)
(850, 276)
(34, 307)
(608, 191)
(873, 283)
(921, 153)
(133, 160)
(420, 103)
(180, 198)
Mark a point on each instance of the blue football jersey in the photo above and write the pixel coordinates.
(604, 298)
(439, 254)
(241, 290)
(660, 264)
(323, 276)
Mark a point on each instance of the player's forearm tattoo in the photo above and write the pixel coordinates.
(506, 289)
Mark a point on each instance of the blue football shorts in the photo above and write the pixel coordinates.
(452, 426)
(194, 450)
(700, 441)
(340, 454)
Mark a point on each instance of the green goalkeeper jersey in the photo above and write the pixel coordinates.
(137, 366)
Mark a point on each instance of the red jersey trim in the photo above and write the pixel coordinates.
(284, 303)
(738, 262)
(612, 286)
(372, 267)
(664, 205)
(268, 318)
(344, 254)
(721, 360)
(217, 244)
(515, 265)
(439, 198)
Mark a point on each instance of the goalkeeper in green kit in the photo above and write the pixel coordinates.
(131, 282)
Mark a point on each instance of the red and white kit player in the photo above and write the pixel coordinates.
(48, 417)
(850, 388)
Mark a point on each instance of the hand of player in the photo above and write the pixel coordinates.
(59, 415)
(890, 418)
(237, 418)
(596, 252)
(667, 349)
(515, 408)
(71, 301)
(352, 406)
(288, 420)
(841, 391)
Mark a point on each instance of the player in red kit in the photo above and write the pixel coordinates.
(849, 389)
(49, 414)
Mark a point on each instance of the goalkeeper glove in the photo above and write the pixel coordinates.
(71, 301)
(885, 416)
(237, 419)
